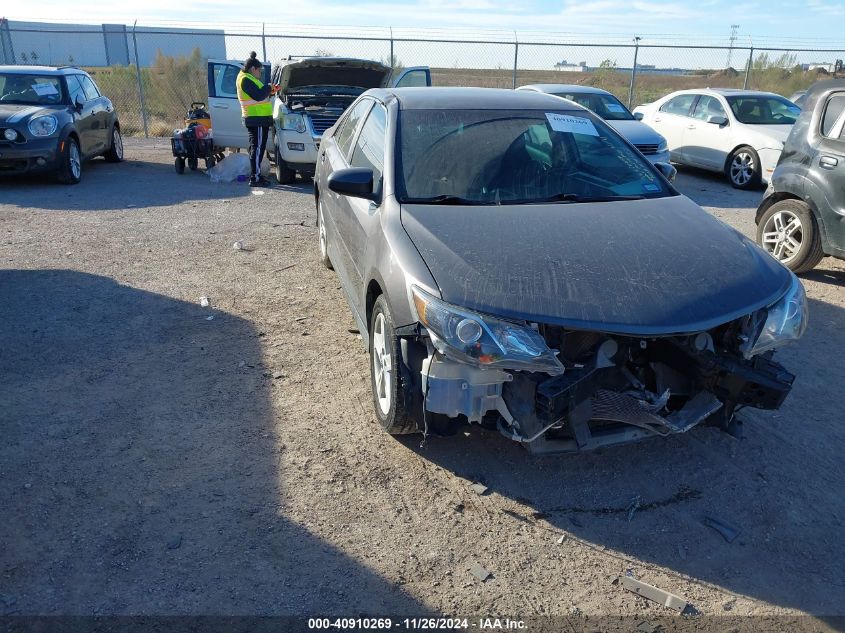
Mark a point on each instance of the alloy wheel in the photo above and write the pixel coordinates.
(783, 236)
(382, 370)
(742, 168)
(117, 143)
(75, 161)
(323, 240)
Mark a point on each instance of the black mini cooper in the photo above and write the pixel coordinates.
(53, 119)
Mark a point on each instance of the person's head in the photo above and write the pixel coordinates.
(253, 66)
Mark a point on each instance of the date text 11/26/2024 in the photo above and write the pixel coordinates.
(416, 624)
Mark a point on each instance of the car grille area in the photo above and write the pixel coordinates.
(322, 121)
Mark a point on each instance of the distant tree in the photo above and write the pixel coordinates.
(34, 57)
(322, 52)
(24, 58)
(70, 60)
(605, 74)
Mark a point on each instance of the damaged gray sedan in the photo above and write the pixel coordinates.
(512, 261)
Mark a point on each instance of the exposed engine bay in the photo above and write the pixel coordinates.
(323, 110)
(612, 390)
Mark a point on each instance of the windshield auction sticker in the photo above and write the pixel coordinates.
(571, 124)
(44, 90)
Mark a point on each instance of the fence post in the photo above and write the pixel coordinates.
(140, 83)
(515, 57)
(633, 72)
(263, 44)
(748, 68)
(392, 58)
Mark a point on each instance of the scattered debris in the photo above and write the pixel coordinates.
(729, 605)
(175, 542)
(653, 593)
(204, 302)
(479, 572)
(353, 330)
(633, 507)
(478, 488)
(729, 532)
(242, 363)
(561, 539)
(288, 267)
(301, 319)
(256, 192)
(574, 611)
(27, 486)
(238, 246)
(459, 508)
(278, 374)
(648, 627)
(327, 449)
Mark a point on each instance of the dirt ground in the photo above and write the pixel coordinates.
(164, 458)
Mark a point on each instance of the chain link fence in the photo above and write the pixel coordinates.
(152, 74)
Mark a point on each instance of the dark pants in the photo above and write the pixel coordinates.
(257, 145)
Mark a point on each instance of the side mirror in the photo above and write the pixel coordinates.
(667, 170)
(716, 119)
(356, 182)
(79, 103)
(638, 116)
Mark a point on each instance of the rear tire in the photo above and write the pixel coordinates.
(788, 231)
(284, 175)
(70, 169)
(743, 168)
(324, 237)
(115, 153)
(391, 397)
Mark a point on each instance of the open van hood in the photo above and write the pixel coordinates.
(333, 71)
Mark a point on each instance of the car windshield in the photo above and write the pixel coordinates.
(30, 89)
(766, 110)
(607, 107)
(517, 157)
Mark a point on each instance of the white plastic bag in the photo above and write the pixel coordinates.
(228, 169)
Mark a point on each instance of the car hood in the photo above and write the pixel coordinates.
(14, 113)
(642, 267)
(354, 73)
(637, 132)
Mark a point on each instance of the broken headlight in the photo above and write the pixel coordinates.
(786, 321)
(481, 340)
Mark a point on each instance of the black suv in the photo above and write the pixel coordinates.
(52, 119)
(800, 218)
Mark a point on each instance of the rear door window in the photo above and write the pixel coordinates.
(832, 113)
(90, 89)
(75, 88)
(369, 148)
(679, 105)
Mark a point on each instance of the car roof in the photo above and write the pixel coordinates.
(40, 70)
(442, 98)
(725, 92)
(570, 88)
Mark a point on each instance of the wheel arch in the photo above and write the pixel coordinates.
(374, 291)
(730, 154)
(773, 199)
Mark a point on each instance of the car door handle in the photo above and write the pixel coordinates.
(828, 162)
(690, 127)
(657, 119)
(220, 106)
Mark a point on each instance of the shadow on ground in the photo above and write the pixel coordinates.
(139, 468)
(710, 189)
(781, 485)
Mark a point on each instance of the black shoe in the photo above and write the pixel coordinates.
(263, 182)
(255, 182)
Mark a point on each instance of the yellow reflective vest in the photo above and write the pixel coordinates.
(249, 106)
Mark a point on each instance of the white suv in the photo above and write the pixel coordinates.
(737, 132)
(314, 93)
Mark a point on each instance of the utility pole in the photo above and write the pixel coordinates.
(734, 29)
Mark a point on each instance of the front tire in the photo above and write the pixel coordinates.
(115, 153)
(743, 169)
(324, 237)
(390, 396)
(70, 169)
(284, 175)
(788, 231)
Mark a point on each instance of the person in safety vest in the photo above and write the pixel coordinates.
(257, 113)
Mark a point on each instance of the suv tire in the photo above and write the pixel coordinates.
(788, 231)
(284, 175)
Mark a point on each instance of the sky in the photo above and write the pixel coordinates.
(812, 22)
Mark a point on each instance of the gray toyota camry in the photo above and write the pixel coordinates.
(512, 261)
